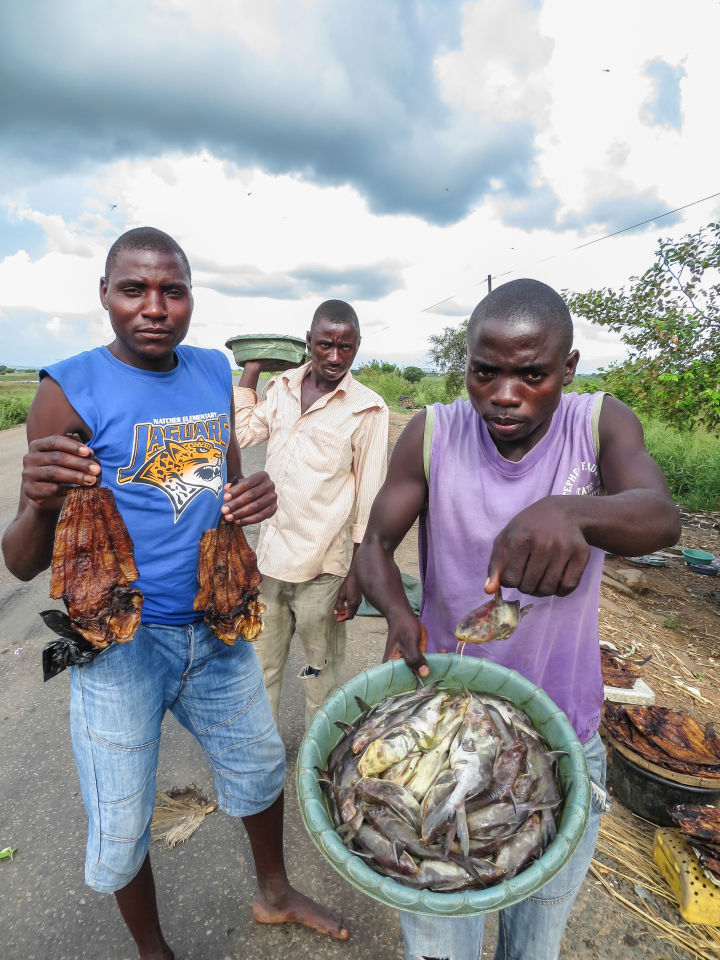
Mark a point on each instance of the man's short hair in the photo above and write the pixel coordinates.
(145, 238)
(336, 311)
(525, 300)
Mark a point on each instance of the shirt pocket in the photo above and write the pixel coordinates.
(325, 452)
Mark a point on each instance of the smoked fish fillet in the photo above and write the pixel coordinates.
(228, 579)
(93, 566)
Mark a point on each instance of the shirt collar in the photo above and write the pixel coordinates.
(294, 378)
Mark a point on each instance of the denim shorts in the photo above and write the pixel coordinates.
(117, 703)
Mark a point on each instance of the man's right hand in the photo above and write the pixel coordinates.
(52, 466)
(407, 638)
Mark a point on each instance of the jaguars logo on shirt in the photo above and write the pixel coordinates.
(181, 458)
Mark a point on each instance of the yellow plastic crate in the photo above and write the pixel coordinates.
(698, 897)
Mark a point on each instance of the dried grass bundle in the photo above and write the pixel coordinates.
(178, 814)
(639, 886)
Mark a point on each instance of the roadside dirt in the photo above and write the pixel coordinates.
(674, 637)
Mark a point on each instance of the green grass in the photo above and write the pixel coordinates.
(15, 400)
(690, 462)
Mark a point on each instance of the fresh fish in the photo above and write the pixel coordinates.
(521, 849)
(400, 832)
(404, 770)
(471, 761)
(438, 764)
(384, 851)
(394, 796)
(428, 767)
(494, 620)
(539, 764)
(385, 751)
(505, 773)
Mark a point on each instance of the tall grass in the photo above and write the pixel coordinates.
(15, 400)
(690, 462)
(391, 385)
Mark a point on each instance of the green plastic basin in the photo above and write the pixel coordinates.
(290, 351)
(451, 670)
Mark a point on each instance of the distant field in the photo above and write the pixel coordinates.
(15, 399)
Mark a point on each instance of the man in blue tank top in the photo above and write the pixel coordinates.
(506, 485)
(157, 417)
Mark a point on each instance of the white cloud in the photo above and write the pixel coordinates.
(57, 328)
(544, 67)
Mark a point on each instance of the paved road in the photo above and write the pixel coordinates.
(204, 886)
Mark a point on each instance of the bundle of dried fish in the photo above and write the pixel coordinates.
(668, 738)
(443, 789)
(701, 826)
(228, 580)
(92, 570)
(616, 670)
(93, 566)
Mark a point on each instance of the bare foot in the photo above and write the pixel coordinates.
(294, 907)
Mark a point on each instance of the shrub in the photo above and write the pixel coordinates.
(13, 410)
(413, 374)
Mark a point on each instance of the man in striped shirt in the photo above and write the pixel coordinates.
(327, 451)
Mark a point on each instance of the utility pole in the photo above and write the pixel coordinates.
(489, 283)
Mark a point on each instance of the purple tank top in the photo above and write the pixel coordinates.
(473, 493)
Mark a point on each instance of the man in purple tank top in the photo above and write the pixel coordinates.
(524, 488)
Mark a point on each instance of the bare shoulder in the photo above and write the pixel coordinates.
(51, 414)
(618, 425)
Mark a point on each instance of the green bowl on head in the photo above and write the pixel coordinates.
(698, 557)
(452, 671)
(288, 351)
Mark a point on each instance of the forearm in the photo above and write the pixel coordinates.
(629, 523)
(381, 581)
(28, 542)
(250, 422)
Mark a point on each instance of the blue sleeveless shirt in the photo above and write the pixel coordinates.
(161, 440)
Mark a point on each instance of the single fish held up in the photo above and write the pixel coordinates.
(494, 620)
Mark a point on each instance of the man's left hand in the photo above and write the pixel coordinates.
(348, 600)
(250, 499)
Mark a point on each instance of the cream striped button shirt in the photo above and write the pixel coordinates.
(327, 465)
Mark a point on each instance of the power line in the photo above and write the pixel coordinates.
(588, 243)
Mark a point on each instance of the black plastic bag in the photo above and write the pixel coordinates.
(71, 650)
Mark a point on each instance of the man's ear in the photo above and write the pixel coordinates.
(570, 367)
(103, 292)
(307, 342)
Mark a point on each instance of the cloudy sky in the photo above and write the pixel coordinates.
(388, 152)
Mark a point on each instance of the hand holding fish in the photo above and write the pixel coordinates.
(52, 466)
(494, 620)
(541, 552)
(249, 499)
(407, 638)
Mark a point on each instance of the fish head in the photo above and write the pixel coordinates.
(494, 620)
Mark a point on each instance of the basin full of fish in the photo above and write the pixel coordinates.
(443, 789)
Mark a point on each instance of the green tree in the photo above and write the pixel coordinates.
(413, 374)
(448, 351)
(670, 320)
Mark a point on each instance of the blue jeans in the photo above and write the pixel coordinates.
(117, 703)
(532, 929)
